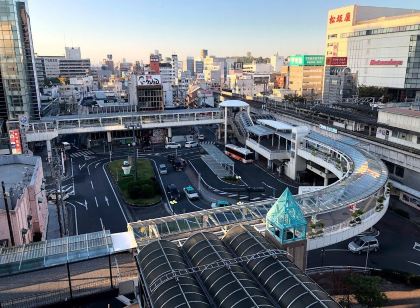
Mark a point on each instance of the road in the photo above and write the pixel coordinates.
(94, 204)
(396, 240)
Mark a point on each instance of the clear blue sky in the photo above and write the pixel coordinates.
(135, 28)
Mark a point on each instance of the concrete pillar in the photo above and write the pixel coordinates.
(109, 136)
(170, 132)
(225, 125)
(219, 132)
(270, 164)
(49, 150)
(326, 181)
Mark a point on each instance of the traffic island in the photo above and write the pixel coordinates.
(144, 191)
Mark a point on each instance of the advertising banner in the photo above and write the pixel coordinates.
(336, 61)
(15, 143)
(306, 60)
(146, 80)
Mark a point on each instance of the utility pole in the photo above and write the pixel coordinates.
(57, 174)
(9, 222)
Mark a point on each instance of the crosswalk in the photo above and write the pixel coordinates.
(207, 142)
(85, 153)
(235, 195)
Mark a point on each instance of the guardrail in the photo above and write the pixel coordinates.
(339, 268)
(343, 231)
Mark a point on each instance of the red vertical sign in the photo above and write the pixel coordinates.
(15, 143)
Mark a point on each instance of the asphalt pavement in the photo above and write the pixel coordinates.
(396, 240)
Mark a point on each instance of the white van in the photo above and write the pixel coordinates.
(364, 243)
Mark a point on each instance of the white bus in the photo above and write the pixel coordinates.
(242, 154)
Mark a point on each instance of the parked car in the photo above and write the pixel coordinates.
(173, 192)
(364, 243)
(190, 192)
(200, 137)
(163, 169)
(191, 144)
(66, 145)
(53, 196)
(171, 158)
(172, 145)
(219, 203)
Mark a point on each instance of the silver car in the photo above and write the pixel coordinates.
(364, 243)
(163, 169)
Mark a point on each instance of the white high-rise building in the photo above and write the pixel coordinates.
(277, 62)
(73, 53)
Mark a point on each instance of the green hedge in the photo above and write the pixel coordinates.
(145, 191)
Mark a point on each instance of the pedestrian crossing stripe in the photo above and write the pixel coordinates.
(82, 153)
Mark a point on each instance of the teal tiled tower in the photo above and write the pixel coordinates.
(285, 220)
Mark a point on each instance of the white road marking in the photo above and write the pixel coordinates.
(194, 205)
(118, 201)
(82, 204)
(91, 184)
(275, 177)
(255, 199)
(106, 200)
(96, 201)
(163, 187)
(102, 224)
(418, 264)
(81, 167)
(96, 165)
(232, 195)
(75, 217)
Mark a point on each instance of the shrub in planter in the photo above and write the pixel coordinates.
(135, 190)
(147, 190)
(357, 213)
(358, 220)
(381, 199)
(352, 223)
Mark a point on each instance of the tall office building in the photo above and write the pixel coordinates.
(189, 65)
(204, 53)
(72, 65)
(73, 53)
(19, 86)
(381, 45)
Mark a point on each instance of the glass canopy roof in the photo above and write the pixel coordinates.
(367, 175)
(54, 252)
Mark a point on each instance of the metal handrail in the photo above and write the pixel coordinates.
(339, 268)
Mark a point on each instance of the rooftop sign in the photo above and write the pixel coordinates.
(306, 60)
(386, 62)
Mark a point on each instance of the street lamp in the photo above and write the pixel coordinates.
(133, 127)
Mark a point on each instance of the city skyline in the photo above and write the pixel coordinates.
(125, 34)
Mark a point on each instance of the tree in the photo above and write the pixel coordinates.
(294, 98)
(377, 92)
(366, 290)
